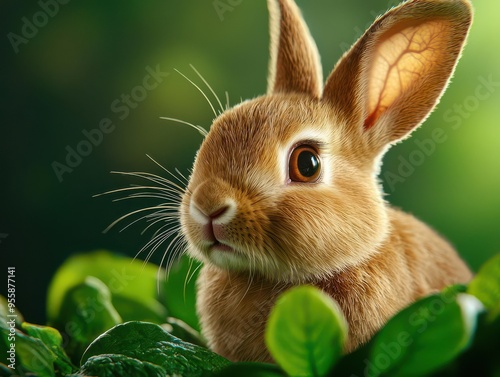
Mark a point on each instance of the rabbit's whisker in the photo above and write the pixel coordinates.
(165, 191)
(193, 273)
(200, 129)
(153, 178)
(200, 90)
(156, 242)
(181, 178)
(168, 217)
(208, 86)
(227, 101)
(165, 216)
(131, 214)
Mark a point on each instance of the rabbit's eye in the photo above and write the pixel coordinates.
(305, 164)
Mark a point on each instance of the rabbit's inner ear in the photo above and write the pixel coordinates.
(394, 75)
(401, 61)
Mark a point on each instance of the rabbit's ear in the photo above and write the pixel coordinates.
(295, 64)
(395, 74)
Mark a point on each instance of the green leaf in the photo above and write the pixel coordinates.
(454, 290)
(125, 278)
(31, 354)
(5, 310)
(5, 371)
(131, 309)
(148, 342)
(182, 330)
(179, 291)
(306, 332)
(486, 286)
(86, 312)
(53, 341)
(425, 336)
(119, 366)
(251, 370)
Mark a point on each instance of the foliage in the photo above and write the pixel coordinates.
(311, 321)
(99, 330)
(151, 344)
(131, 283)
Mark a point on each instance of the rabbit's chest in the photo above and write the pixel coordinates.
(233, 312)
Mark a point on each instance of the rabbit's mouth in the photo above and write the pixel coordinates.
(221, 247)
(227, 257)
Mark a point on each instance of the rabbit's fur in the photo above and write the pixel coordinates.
(259, 232)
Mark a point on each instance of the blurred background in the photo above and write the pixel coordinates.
(69, 68)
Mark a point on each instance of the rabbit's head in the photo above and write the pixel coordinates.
(285, 185)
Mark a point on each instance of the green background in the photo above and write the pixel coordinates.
(65, 78)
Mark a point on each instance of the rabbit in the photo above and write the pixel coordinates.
(284, 188)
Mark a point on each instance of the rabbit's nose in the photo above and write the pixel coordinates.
(213, 223)
(212, 202)
(222, 214)
(219, 212)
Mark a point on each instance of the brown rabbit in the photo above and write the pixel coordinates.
(284, 189)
